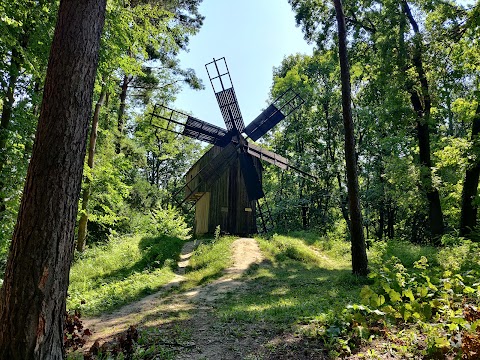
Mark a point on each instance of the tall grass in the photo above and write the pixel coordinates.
(127, 268)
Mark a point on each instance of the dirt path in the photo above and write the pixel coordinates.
(190, 313)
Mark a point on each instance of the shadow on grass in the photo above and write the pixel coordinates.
(155, 250)
(147, 275)
(292, 293)
(407, 252)
(259, 317)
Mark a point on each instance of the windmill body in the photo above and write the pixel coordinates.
(225, 185)
(225, 202)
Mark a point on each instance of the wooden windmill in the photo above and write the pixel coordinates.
(226, 183)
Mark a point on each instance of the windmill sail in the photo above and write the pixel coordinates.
(204, 131)
(224, 92)
(227, 101)
(283, 106)
(180, 123)
(268, 156)
(250, 177)
(275, 159)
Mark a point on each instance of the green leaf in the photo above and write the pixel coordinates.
(394, 296)
(408, 293)
(422, 291)
(442, 342)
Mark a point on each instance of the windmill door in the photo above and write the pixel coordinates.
(202, 209)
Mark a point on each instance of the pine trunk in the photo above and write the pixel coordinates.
(32, 299)
(359, 250)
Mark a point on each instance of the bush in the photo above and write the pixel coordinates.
(434, 304)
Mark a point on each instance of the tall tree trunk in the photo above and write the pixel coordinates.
(468, 217)
(331, 150)
(421, 103)
(359, 251)
(82, 224)
(32, 299)
(121, 113)
(390, 219)
(6, 117)
(381, 220)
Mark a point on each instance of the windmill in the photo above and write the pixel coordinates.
(225, 185)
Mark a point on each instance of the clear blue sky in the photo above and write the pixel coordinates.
(254, 36)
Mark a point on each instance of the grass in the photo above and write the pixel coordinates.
(106, 277)
(208, 261)
(296, 284)
(302, 287)
(305, 284)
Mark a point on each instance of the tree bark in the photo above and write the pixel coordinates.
(32, 299)
(381, 220)
(468, 217)
(390, 219)
(82, 224)
(359, 251)
(121, 112)
(421, 103)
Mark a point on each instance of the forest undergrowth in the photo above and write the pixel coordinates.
(418, 301)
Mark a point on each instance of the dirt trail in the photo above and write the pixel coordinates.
(192, 309)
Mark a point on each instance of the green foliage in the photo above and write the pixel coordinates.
(431, 302)
(105, 277)
(160, 222)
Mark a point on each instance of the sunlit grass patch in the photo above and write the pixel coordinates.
(209, 261)
(126, 269)
(283, 248)
(296, 285)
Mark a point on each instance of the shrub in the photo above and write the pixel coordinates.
(432, 302)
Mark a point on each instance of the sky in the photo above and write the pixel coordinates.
(254, 36)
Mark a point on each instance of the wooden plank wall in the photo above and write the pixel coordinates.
(229, 203)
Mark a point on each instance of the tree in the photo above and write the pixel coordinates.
(468, 218)
(32, 299)
(25, 36)
(312, 139)
(82, 224)
(138, 61)
(359, 252)
(422, 104)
